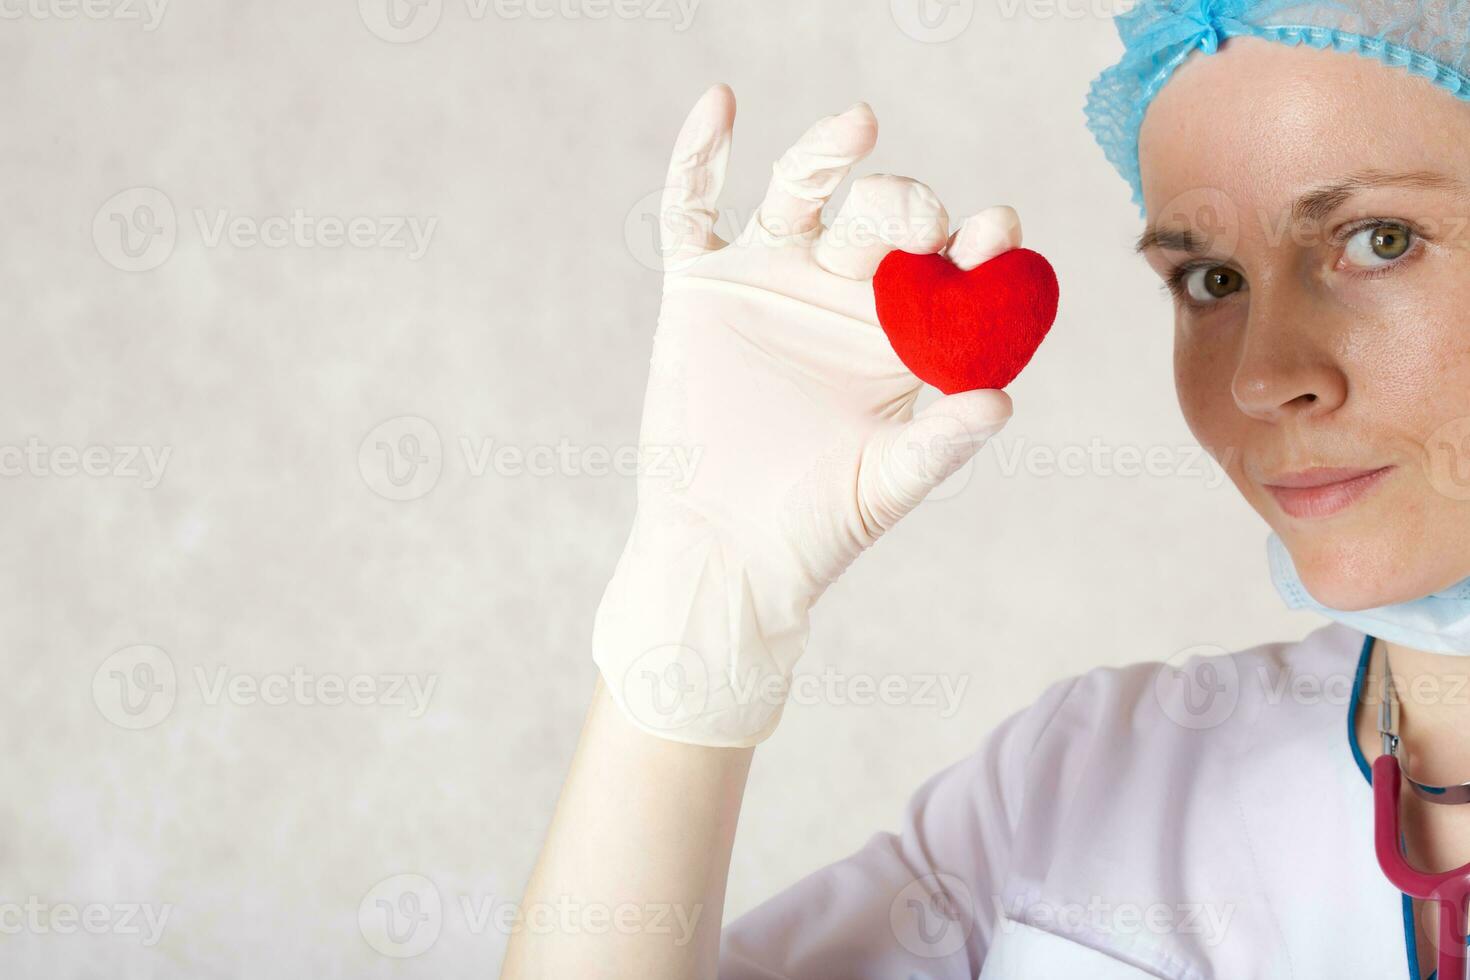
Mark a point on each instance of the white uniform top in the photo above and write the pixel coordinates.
(1213, 820)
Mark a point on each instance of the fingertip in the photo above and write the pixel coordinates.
(863, 113)
(882, 212)
(997, 403)
(718, 100)
(934, 229)
(859, 126)
(1004, 217)
(984, 411)
(984, 235)
(926, 218)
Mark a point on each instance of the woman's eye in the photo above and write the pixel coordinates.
(1211, 284)
(1378, 245)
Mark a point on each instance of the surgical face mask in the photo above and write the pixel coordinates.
(1438, 623)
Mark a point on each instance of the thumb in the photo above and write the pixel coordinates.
(915, 457)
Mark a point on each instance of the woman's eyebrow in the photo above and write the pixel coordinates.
(1318, 204)
(1313, 206)
(1173, 239)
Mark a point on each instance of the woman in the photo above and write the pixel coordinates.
(1302, 171)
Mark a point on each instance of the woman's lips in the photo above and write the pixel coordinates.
(1323, 492)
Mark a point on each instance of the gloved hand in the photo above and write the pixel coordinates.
(770, 372)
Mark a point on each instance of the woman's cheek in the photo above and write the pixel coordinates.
(1206, 359)
(1204, 372)
(1411, 345)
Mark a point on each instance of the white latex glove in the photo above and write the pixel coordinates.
(770, 372)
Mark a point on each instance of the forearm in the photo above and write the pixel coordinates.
(641, 837)
(771, 370)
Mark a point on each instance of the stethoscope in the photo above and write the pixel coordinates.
(1450, 889)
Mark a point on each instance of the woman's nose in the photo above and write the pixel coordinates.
(1287, 368)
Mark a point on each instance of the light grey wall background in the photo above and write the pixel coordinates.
(244, 414)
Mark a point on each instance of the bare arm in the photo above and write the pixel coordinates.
(644, 830)
(770, 369)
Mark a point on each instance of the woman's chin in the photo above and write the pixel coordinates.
(1355, 575)
(1348, 596)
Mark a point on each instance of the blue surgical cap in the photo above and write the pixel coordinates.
(1429, 38)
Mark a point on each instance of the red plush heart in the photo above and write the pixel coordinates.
(958, 330)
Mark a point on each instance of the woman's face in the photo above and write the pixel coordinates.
(1312, 211)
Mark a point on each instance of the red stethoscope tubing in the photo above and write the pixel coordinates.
(1451, 889)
